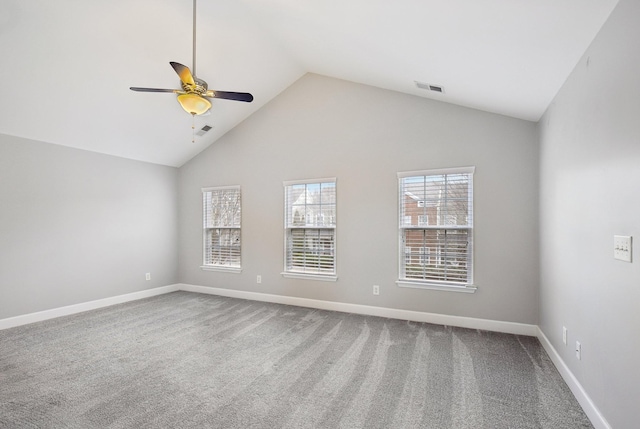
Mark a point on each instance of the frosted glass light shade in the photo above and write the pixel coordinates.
(194, 104)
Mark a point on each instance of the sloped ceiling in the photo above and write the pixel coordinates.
(67, 65)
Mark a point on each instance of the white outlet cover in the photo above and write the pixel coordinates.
(622, 247)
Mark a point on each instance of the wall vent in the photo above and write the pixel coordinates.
(429, 87)
(204, 130)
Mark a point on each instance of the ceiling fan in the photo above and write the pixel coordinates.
(193, 97)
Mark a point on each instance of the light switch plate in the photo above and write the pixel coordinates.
(622, 247)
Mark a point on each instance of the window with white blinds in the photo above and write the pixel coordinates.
(436, 227)
(221, 228)
(310, 229)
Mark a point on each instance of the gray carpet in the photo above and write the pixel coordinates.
(186, 360)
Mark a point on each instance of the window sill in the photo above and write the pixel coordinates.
(321, 277)
(221, 269)
(436, 286)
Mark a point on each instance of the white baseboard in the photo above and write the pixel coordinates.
(416, 316)
(597, 419)
(85, 306)
(585, 401)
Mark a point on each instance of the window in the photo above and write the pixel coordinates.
(310, 229)
(436, 229)
(221, 216)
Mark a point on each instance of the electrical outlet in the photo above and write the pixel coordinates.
(259, 279)
(564, 335)
(148, 276)
(578, 350)
(376, 290)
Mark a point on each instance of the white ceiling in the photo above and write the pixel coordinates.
(67, 65)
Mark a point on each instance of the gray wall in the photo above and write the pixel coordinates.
(76, 226)
(590, 191)
(323, 127)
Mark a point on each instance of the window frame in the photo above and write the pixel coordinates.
(288, 229)
(467, 286)
(219, 267)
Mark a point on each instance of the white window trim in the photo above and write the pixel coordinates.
(436, 171)
(222, 268)
(433, 284)
(322, 277)
(311, 276)
(308, 181)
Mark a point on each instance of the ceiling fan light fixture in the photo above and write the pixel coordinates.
(194, 93)
(194, 104)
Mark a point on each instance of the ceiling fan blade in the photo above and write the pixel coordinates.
(184, 73)
(175, 91)
(226, 95)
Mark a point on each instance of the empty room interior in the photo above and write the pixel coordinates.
(237, 213)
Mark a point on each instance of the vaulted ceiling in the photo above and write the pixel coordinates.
(67, 65)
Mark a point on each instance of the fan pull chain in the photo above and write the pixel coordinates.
(193, 128)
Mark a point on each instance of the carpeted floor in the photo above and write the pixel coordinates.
(186, 360)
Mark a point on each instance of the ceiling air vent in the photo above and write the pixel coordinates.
(204, 130)
(429, 87)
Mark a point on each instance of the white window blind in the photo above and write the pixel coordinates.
(310, 227)
(222, 227)
(436, 227)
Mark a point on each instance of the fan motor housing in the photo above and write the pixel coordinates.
(200, 86)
